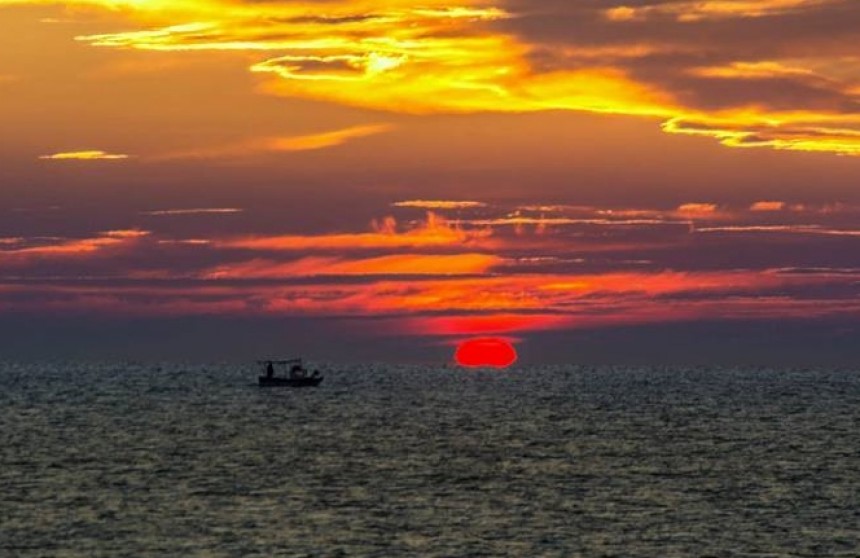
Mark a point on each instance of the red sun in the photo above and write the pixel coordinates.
(486, 351)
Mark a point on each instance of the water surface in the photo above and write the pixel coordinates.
(195, 460)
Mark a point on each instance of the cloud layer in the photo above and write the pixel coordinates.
(766, 73)
(494, 270)
(782, 74)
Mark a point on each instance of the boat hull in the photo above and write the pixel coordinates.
(266, 381)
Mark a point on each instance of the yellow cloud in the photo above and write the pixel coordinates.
(800, 131)
(92, 155)
(437, 57)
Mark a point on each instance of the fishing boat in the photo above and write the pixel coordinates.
(296, 375)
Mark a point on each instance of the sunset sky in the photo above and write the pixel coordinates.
(593, 180)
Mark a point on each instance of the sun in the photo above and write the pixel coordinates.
(486, 351)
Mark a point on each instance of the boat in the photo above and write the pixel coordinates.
(296, 374)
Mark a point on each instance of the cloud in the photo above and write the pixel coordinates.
(326, 139)
(308, 142)
(515, 220)
(71, 247)
(399, 264)
(697, 209)
(495, 324)
(441, 278)
(711, 9)
(788, 229)
(193, 211)
(440, 204)
(759, 133)
(186, 241)
(455, 306)
(90, 155)
(835, 271)
(768, 206)
(435, 231)
(401, 58)
(781, 82)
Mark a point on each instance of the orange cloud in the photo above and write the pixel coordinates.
(697, 208)
(458, 306)
(440, 204)
(436, 277)
(754, 70)
(326, 139)
(768, 206)
(434, 232)
(558, 221)
(535, 293)
(309, 142)
(496, 324)
(76, 247)
(329, 300)
(400, 264)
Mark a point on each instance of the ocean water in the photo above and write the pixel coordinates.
(196, 460)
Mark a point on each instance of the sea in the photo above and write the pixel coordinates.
(187, 460)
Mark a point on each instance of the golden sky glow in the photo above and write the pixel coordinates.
(468, 57)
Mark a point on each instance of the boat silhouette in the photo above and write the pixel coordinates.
(296, 375)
